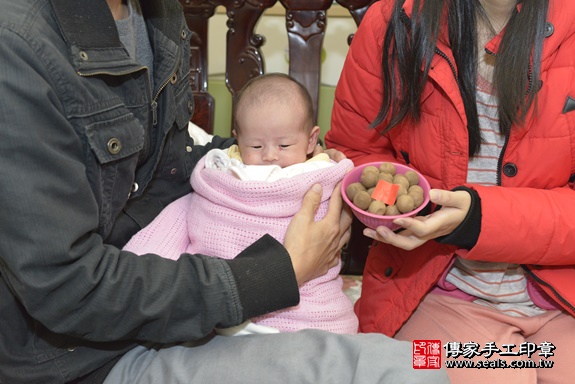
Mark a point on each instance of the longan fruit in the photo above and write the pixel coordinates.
(417, 198)
(370, 168)
(377, 207)
(415, 188)
(401, 191)
(401, 180)
(369, 179)
(370, 191)
(362, 200)
(387, 167)
(392, 210)
(385, 176)
(352, 189)
(412, 177)
(405, 204)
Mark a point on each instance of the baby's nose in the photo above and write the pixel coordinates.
(270, 155)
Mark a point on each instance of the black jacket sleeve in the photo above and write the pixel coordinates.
(467, 233)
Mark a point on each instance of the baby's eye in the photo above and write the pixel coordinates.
(285, 145)
(256, 147)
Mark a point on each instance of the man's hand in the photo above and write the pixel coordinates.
(314, 247)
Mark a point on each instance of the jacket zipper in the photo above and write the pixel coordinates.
(154, 104)
(500, 160)
(443, 55)
(556, 295)
(528, 272)
(529, 88)
(155, 98)
(407, 21)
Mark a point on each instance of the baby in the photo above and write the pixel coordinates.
(273, 121)
(254, 188)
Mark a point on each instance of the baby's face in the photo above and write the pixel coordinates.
(274, 135)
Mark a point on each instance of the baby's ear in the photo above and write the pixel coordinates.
(234, 133)
(313, 136)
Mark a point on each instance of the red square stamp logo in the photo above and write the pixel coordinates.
(426, 354)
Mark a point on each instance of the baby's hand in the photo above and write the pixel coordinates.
(333, 154)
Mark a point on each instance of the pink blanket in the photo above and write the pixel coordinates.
(225, 215)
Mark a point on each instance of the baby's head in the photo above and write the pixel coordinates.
(273, 121)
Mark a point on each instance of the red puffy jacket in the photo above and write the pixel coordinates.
(529, 219)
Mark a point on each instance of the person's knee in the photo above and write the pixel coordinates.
(392, 361)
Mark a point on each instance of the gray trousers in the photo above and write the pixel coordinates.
(308, 356)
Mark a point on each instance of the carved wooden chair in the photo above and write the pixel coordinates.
(306, 22)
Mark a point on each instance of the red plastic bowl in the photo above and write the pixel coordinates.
(374, 221)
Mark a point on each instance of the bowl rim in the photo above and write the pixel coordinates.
(422, 179)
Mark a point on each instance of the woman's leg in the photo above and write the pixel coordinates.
(560, 332)
(449, 319)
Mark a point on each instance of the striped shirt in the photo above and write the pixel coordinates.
(498, 285)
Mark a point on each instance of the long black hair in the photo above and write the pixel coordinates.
(410, 44)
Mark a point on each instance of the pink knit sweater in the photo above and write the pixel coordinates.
(225, 215)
